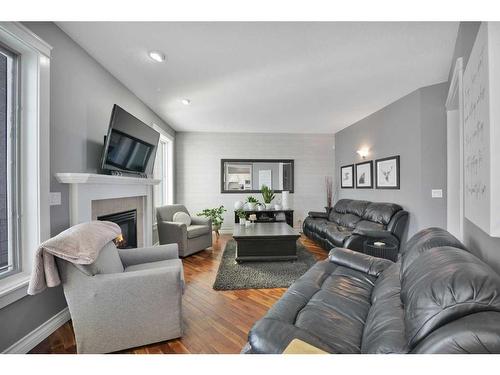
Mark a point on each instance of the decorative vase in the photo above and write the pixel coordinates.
(268, 206)
(238, 205)
(284, 199)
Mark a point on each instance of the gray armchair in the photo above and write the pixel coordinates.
(126, 298)
(191, 239)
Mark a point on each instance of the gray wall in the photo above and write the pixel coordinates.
(198, 167)
(477, 241)
(82, 96)
(413, 127)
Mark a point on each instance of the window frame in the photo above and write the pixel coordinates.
(33, 163)
(169, 175)
(12, 168)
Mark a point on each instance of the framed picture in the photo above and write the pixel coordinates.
(364, 175)
(347, 176)
(387, 173)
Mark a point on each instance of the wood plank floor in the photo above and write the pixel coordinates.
(214, 321)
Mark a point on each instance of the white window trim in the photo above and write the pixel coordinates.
(170, 167)
(34, 160)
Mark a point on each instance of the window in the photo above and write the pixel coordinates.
(9, 255)
(24, 155)
(164, 171)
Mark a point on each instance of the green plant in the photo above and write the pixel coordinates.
(241, 213)
(251, 199)
(267, 194)
(216, 215)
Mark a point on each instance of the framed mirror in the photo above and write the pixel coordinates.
(248, 175)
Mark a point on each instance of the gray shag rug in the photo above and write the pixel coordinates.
(259, 275)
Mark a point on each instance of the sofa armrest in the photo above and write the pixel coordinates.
(317, 214)
(358, 261)
(130, 257)
(171, 232)
(376, 234)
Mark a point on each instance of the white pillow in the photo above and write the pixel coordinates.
(182, 217)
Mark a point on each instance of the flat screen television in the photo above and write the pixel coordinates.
(130, 145)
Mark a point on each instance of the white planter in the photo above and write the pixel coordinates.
(248, 223)
(269, 206)
(251, 206)
(242, 221)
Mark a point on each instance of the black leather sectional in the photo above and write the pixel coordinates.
(437, 298)
(351, 222)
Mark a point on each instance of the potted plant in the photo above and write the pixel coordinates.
(251, 203)
(267, 195)
(216, 215)
(242, 215)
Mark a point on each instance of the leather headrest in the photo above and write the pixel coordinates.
(341, 206)
(357, 208)
(381, 212)
(425, 240)
(442, 285)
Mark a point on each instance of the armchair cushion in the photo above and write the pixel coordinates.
(170, 263)
(108, 261)
(194, 231)
(131, 257)
(182, 217)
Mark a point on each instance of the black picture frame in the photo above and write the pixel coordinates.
(253, 191)
(342, 186)
(396, 179)
(370, 162)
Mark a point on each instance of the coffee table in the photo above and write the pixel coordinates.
(265, 242)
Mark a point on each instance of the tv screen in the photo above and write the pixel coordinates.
(130, 145)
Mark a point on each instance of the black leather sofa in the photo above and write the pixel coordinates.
(351, 222)
(437, 298)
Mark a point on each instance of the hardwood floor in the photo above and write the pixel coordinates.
(214, 321)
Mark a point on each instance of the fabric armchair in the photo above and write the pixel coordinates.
(126, 298)
(190, 239)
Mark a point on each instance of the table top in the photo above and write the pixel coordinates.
(264, 230)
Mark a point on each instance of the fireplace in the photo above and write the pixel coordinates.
(127, 221)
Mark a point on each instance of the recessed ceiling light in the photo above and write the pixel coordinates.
(186, 101)
(157, 56)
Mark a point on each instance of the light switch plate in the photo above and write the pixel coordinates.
(437, 193)
(55, 198)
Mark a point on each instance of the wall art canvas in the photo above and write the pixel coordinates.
(387, 173)
(481, 130)
(347, 176)
(364, 172)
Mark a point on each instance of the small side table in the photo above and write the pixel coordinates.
(381, 249)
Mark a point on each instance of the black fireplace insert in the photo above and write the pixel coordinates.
(127, 221)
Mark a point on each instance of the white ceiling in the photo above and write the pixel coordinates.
(270, 76)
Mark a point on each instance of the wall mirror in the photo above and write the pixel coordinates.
(248, 175)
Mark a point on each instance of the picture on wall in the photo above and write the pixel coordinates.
(364, 175)
(387, 173)
(347, 176)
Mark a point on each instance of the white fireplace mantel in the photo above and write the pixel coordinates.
(87, 187)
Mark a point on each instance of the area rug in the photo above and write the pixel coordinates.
(257, 275)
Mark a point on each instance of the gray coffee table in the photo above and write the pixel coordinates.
(265, 242)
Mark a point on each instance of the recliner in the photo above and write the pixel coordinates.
(437, 298)
(351, 222)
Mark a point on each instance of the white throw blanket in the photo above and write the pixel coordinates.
(79, 244)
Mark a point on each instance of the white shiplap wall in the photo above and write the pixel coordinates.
(198, 158)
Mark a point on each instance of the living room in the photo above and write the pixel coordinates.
(207, 187)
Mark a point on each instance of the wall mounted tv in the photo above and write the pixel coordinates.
(130, 145)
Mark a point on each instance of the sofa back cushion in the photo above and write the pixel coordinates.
(357, 208)
(108, 261)
(442, 285)
(341, 206)
(381, 213)
(425, 240)
(166, 213)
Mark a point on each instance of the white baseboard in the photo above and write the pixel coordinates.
(35, 337)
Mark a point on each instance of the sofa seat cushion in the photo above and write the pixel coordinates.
(369, 225)
(336, 234)
(194, 231)
(151, 265)
(384, 331)
(327, 307)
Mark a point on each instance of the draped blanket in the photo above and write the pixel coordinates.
(79, 244)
